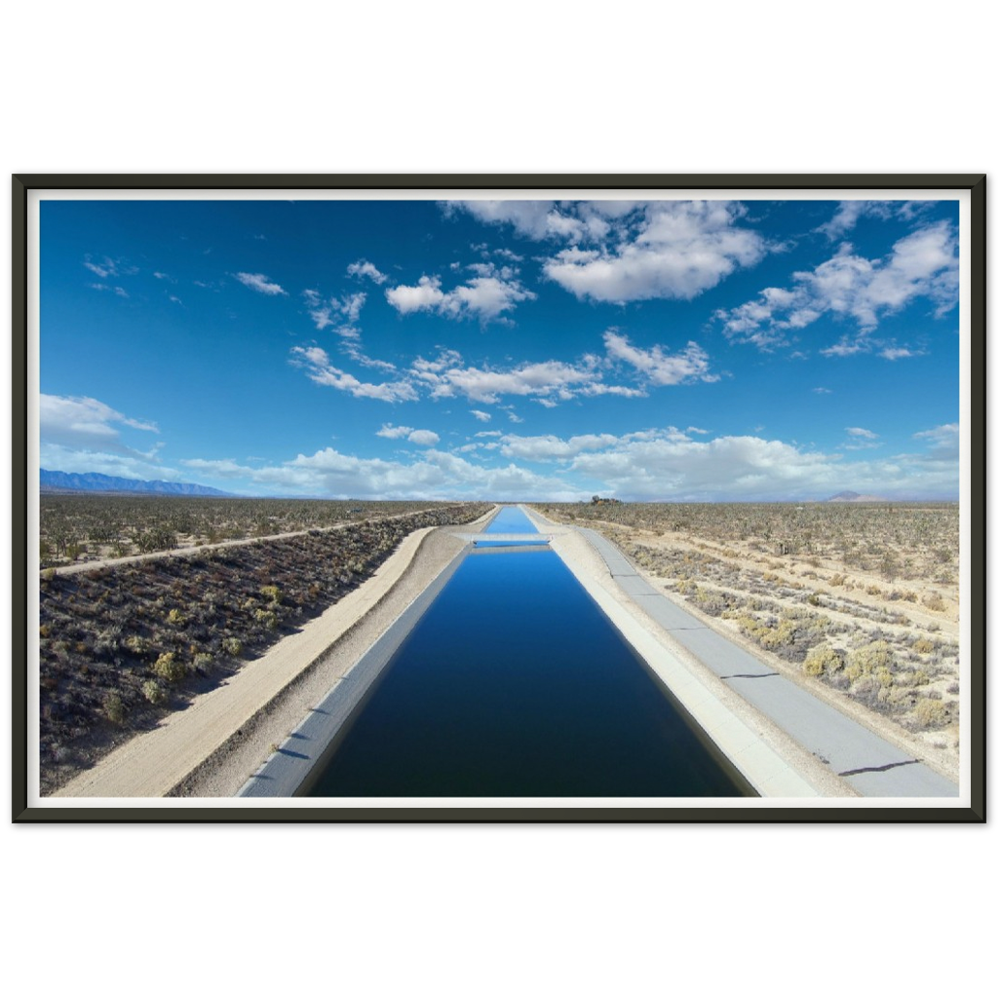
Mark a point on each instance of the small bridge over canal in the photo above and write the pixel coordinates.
(532, 538)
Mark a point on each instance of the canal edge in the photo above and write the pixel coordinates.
(767, 770)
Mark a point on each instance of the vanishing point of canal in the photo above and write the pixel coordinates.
(514, 683)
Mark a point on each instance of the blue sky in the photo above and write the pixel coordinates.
(665, 350)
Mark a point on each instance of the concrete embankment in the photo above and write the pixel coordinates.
(779, 734)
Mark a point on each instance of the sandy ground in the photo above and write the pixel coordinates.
(211, 746)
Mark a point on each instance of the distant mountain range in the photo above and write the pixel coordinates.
(96, 482)
(849, 496)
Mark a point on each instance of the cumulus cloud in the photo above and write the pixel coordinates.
(486, 297)
(481, 415)
(662, 463)
(423, 438)
(366, 269)
(734, 468)
(547, 447)
(923, 264)
(316, 363)
(435, 475)
(259, 283)
(895, 353)
(861, 432)
(388, 431)
(84, 422)
(659, 367)
(677, 251)
(448, 376)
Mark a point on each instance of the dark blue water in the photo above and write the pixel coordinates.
(515, 684)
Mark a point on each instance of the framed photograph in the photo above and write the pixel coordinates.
(499, 498)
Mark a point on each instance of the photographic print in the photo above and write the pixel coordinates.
(459, 498)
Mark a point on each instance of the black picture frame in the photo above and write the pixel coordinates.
(972, 808)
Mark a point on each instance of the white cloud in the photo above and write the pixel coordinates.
(83, 422)
(435, 475)
(388, 431)
(482, 415)
(861, 432)
(487, 296)
(850, 212)
(923, 264)
(752, 468)
(109, 268)
(448, 377)
(529, 218)
(259, 283)
(366, 269)
(548, 447)
(345, 310)
(653, 464)
(424, 438)
(676, 251)
(319, 369)
(689, 365)
(944, 442)
(125, 463)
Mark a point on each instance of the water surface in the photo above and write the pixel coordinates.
(514, 683)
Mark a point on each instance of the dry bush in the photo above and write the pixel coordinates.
(823, 659)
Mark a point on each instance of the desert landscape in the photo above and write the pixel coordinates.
(857, 599)
(124, 643)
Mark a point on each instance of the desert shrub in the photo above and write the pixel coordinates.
(924, 646)
(202, 661)
(232, 645)
(113, 707)
(838, 580)
(136, 644)
(169, 668)
(153, 692)
(934, 602)
(272, 593)
(822, 660)
(176, 617)
(266, 618)
(930, 713)
(870, 659)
